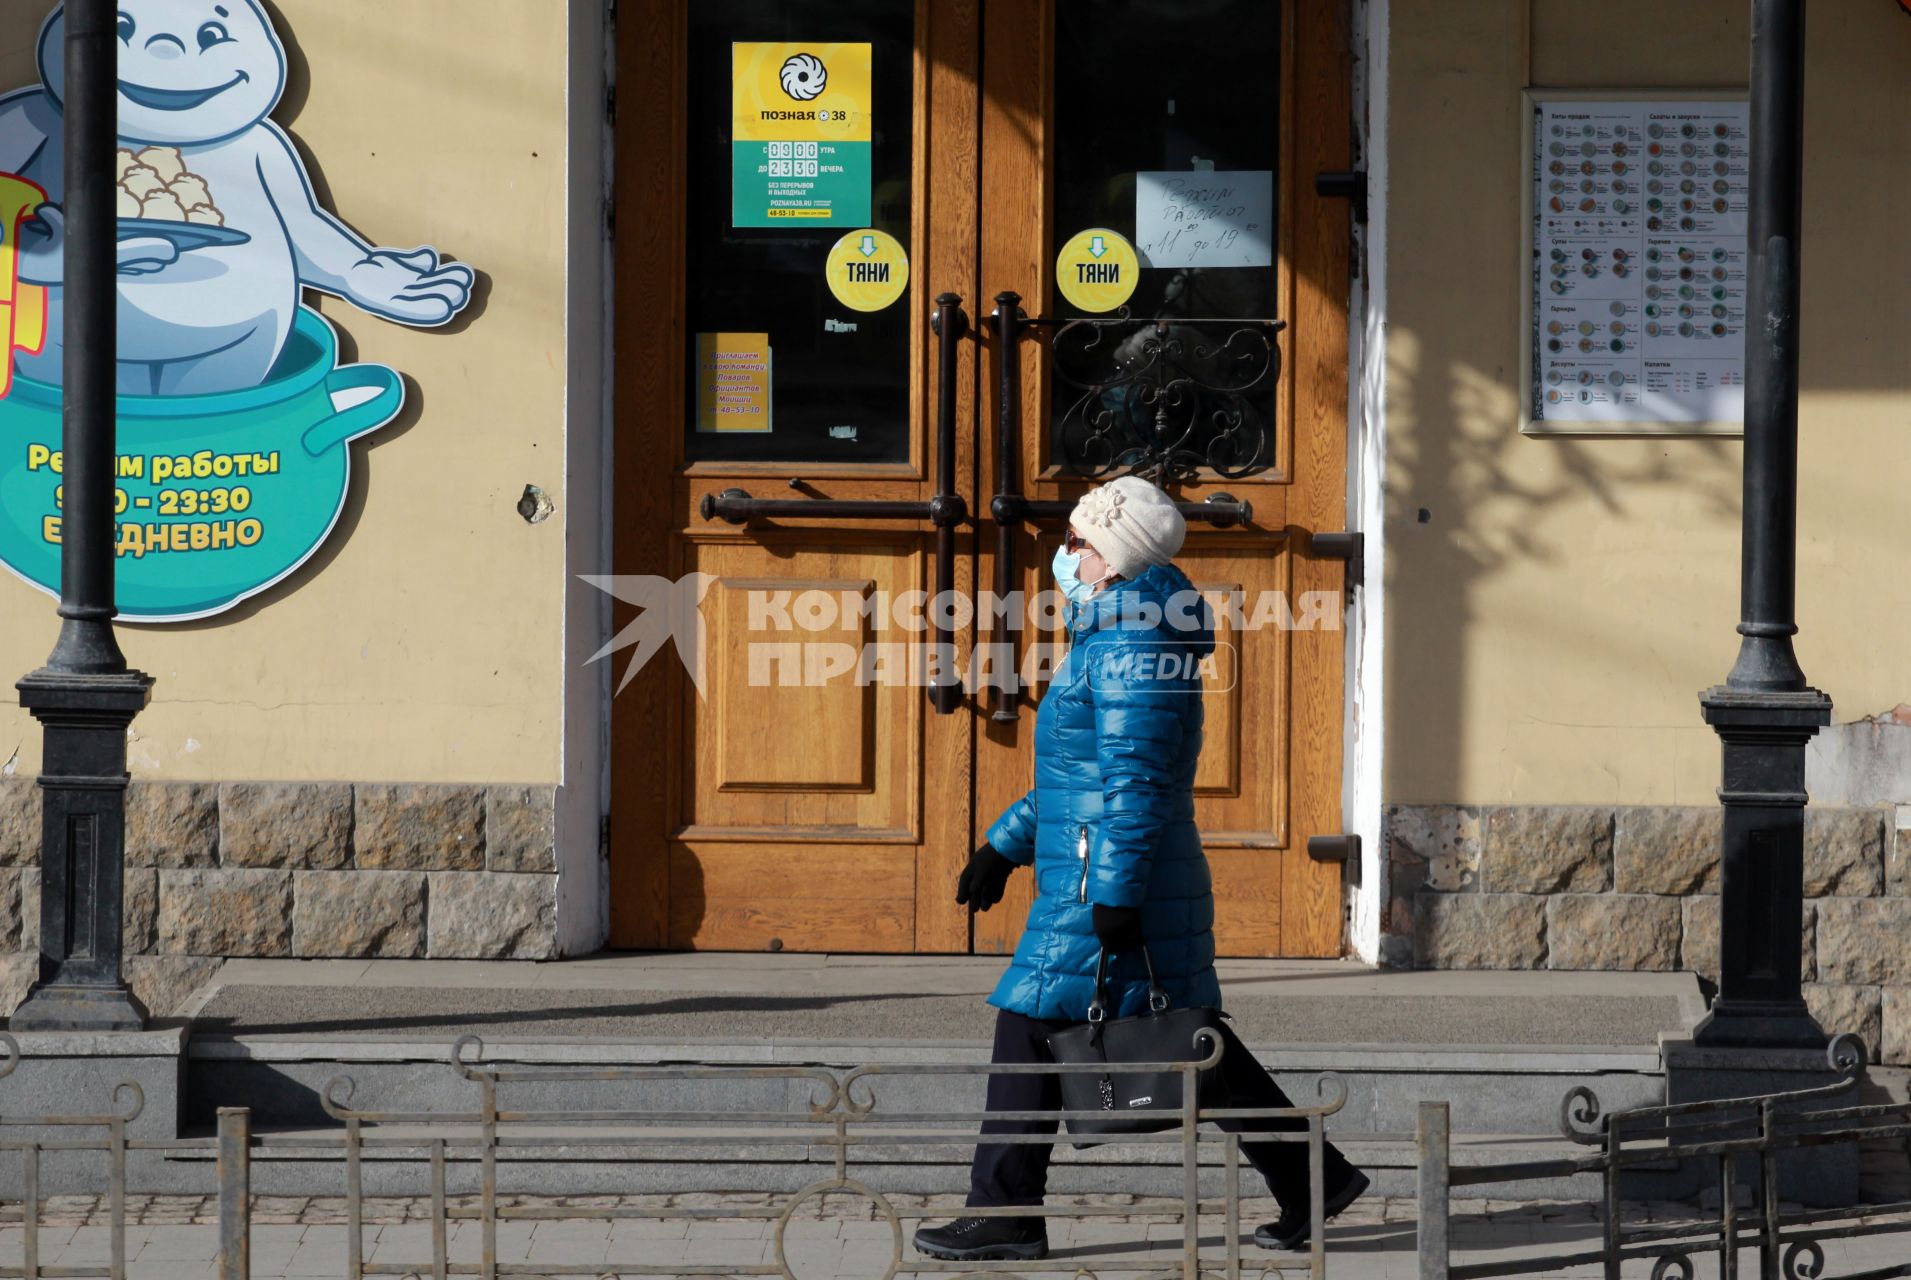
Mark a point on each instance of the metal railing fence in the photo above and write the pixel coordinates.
(842, 1117)
(1724, 1136)
(1742, 1142)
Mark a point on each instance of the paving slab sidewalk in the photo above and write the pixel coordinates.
(759, 998)
(168, 1238)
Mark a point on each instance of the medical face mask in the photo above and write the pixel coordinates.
(1067, 566)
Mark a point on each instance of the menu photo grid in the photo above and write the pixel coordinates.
(1637, 302)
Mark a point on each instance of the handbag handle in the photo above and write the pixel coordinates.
(1157, 994)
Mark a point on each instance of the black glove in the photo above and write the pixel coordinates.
(984, 879)
(1119, 928)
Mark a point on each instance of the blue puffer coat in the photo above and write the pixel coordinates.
(1111, 817)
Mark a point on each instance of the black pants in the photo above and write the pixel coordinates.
(1017, 1173)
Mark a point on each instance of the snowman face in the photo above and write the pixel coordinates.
(190, 71)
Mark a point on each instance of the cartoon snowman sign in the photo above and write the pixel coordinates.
(220, 367)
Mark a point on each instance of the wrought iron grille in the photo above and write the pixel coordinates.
(1165, 398)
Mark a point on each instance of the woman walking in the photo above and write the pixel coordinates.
(1109, 831)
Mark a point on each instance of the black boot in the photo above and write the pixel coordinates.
(1293, 1228)
(985, 1239)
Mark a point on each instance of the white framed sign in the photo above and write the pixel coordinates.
(1635, 264)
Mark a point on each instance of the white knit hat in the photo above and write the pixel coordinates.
(1131, 523)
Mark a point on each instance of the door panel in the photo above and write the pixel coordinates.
(787, 805)
(792, 805)
(781, 745)
(1078, 101)
(815, 898)
(1240, 796)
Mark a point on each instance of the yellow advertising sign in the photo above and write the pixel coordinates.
(868, 270)
(22, 307)
(1097, 270)
(795, 91)
(801, 136)
(733, 382)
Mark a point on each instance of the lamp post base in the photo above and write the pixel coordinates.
(82, 851)
(1821, 1176)
(1763, 734)
(1760, 1024)
(69, 1008)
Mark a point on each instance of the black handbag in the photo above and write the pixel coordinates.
(1134, 1101)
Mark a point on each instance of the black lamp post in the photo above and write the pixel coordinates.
(85, 696)
(1765, 713)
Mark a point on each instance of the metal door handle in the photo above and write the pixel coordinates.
(949, 326)
(736, 506)
(1008, 505)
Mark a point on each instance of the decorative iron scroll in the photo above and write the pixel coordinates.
(1165, 399)
(1737, 1144)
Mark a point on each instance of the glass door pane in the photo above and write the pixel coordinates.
(759, 307)
(1167, 131)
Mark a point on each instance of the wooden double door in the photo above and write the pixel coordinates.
(802, 789)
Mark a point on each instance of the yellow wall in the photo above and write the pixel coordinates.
(425, 642)
(1551, 622)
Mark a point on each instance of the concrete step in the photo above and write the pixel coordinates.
(631, 1160)
(1502, 1048)
(1507, 1097)
(1492, 1089)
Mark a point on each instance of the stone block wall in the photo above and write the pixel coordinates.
(1635, 889)
(312, 870)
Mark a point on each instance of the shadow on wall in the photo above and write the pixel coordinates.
(1473, 503)
(1557, 603)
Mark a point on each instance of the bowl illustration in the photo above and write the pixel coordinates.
(220, 496)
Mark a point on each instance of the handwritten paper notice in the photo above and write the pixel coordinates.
(1205, 218)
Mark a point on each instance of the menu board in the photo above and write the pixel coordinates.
(1638, 284)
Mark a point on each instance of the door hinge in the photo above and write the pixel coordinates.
(1344, 184)
(1344, 849)
(1345, 545)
